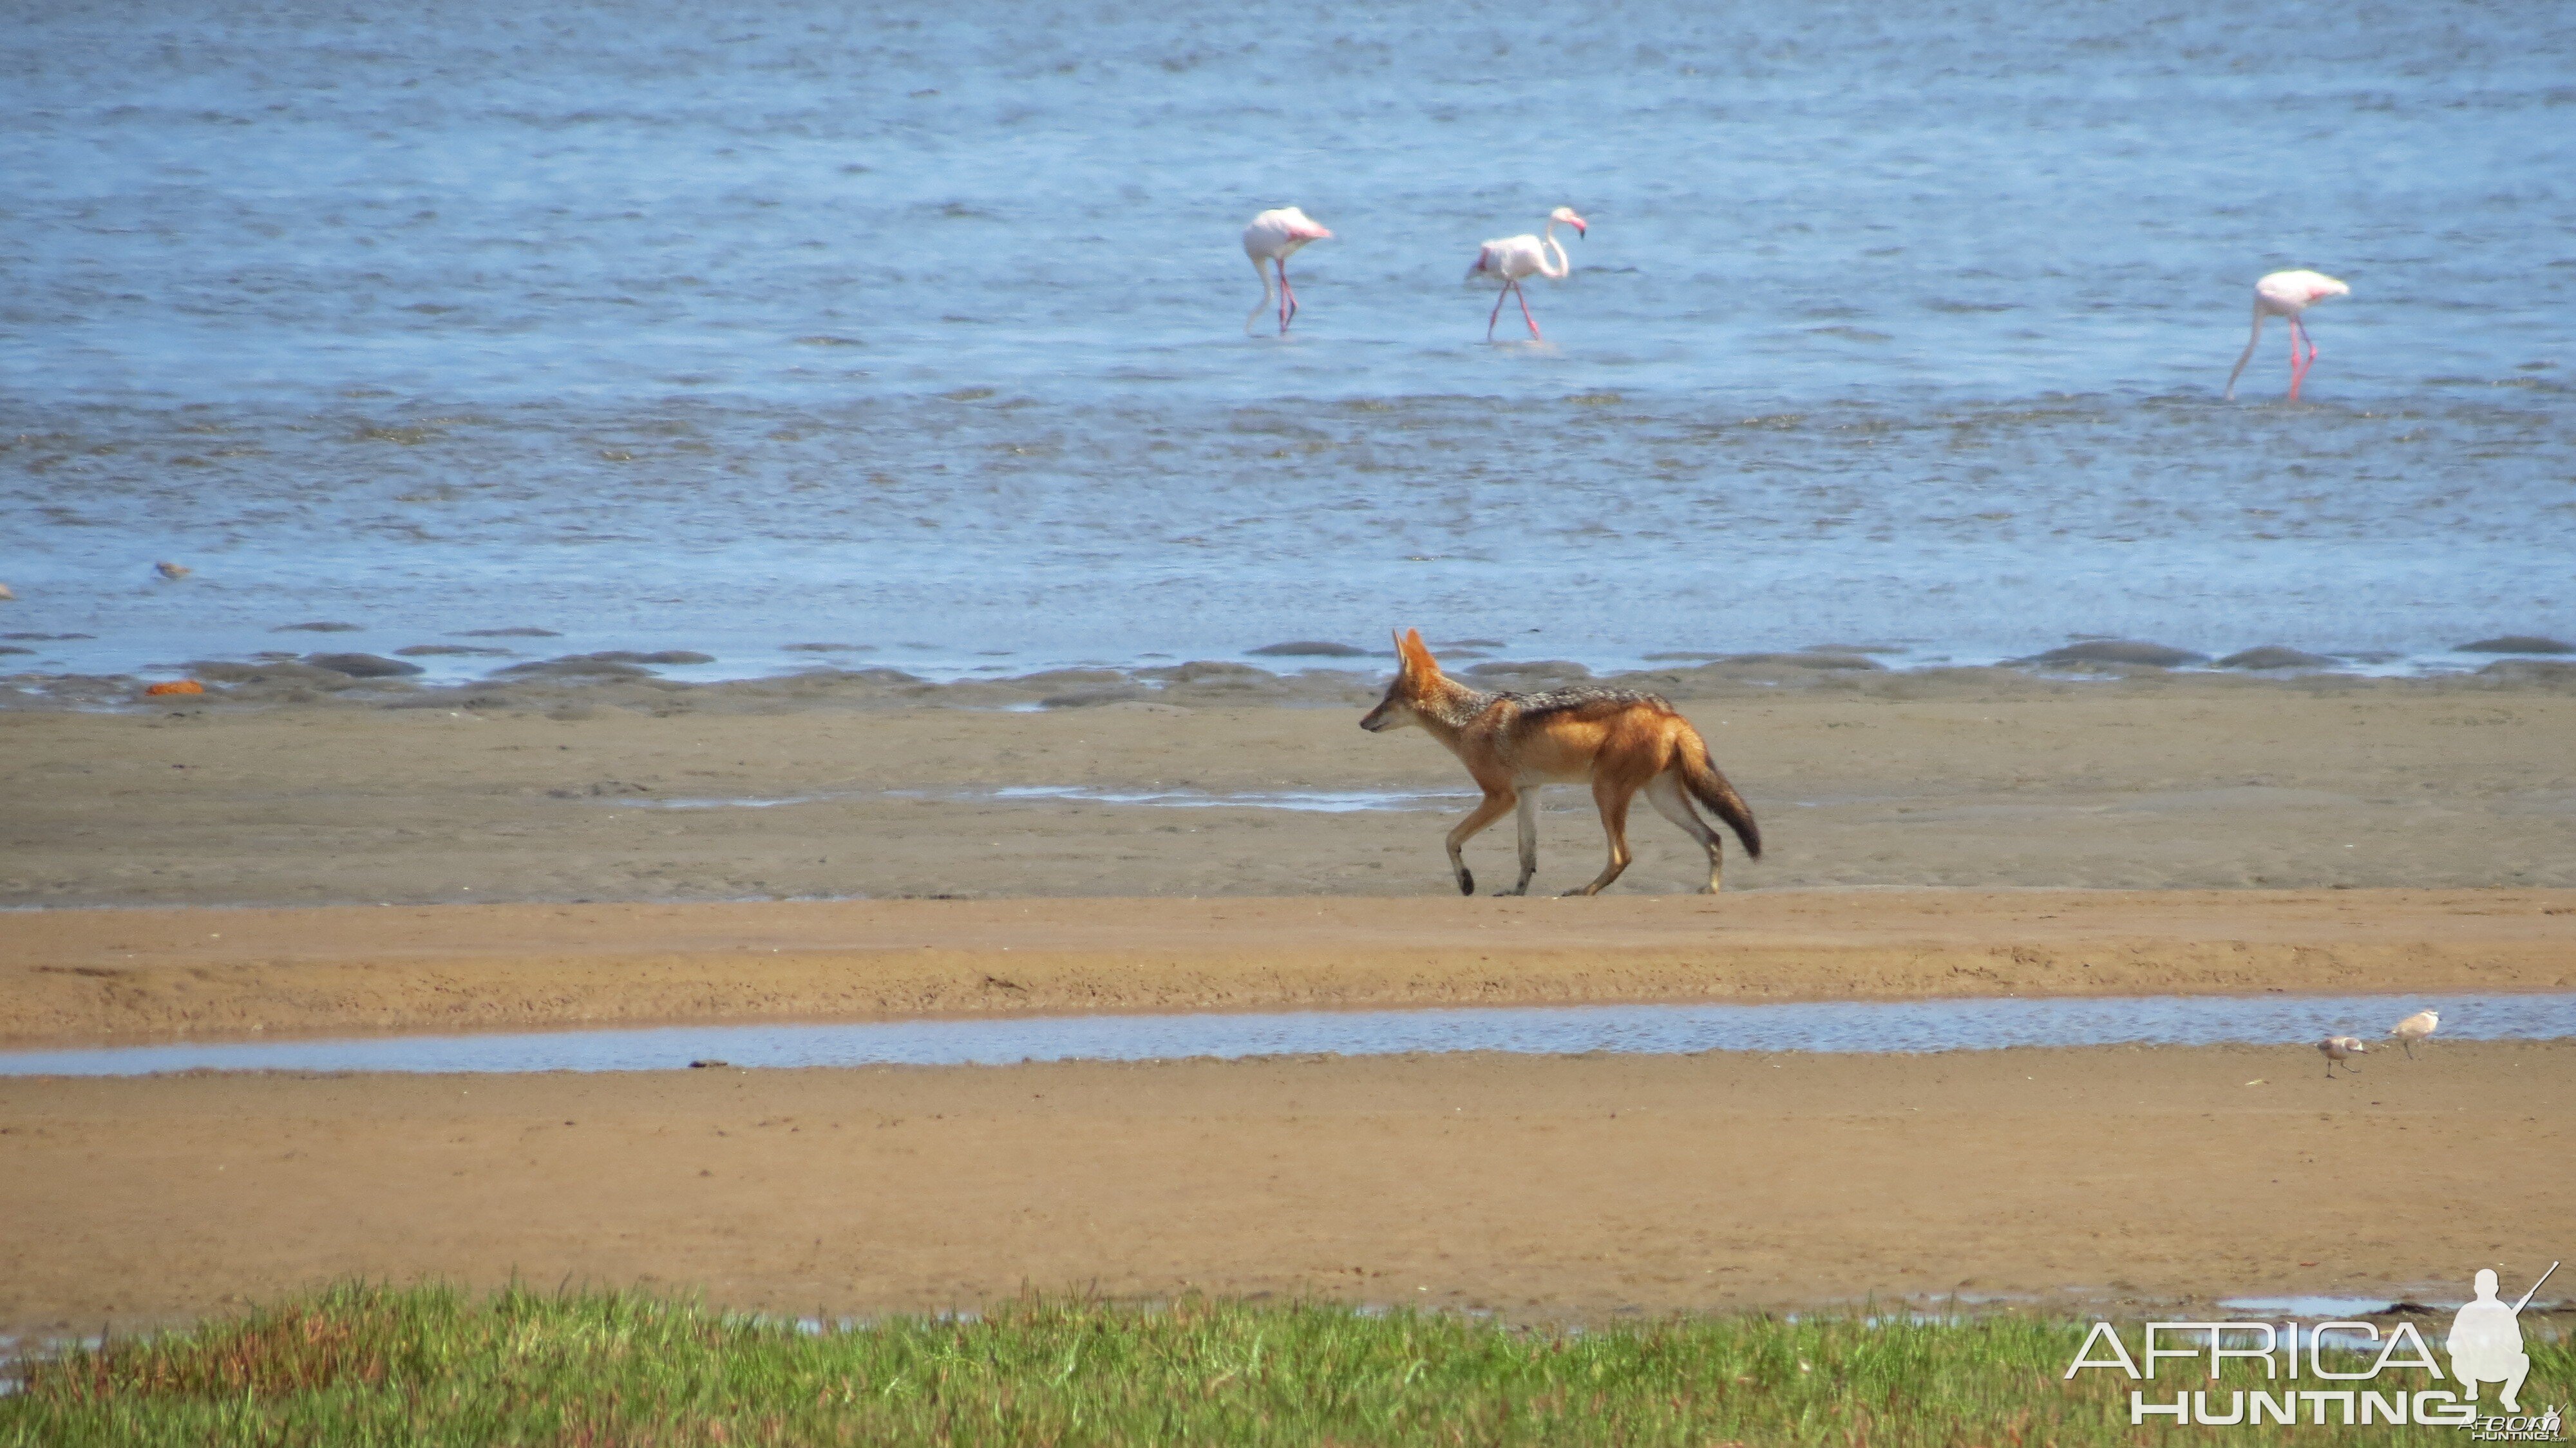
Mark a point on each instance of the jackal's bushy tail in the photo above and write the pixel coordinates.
(1710, 788)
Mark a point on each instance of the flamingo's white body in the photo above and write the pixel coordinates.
(2287, 294)
(1272, 238)
(2340, 1048)
(1507, 260)
(2415, 1028)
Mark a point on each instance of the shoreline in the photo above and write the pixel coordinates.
(110, 977)
(1331, 675)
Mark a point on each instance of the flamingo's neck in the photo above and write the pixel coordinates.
(1546, 243)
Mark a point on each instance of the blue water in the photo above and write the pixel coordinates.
(2291, 1022)
(727, 326)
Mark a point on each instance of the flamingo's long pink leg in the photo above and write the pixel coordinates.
(1525, 311)
(2298, 368)
(1287, 299)
(1497, 313)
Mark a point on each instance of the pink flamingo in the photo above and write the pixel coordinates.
(2287, 294)
(1514, 257)
(1273, 237)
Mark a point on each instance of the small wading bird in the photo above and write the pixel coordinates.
(2343, 1049)
(1270, 240)
(2415, 1028)
(2287, 294)
(1511, 258)
(1615, 740)
(172, 571)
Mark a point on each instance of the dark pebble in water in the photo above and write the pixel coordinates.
(585, 666)
(1531, 673)
(660, 656)
(2518, 644)
(2118, 651)
(1308, 649)
(1804, 659)
(2273, 656)
(442, 651)
(318, 626)
(829, 649)
(362, 666)
(42, 637)
(508, 633)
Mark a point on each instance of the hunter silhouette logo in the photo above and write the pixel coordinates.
(2484, 1344)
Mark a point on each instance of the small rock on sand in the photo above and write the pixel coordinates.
(362, 666)
(1308, 649)
(2519, 644)
(2118, 651)
(2274, 656)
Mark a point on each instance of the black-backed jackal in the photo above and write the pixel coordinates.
(1617, 740)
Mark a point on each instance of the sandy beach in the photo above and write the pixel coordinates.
(844, 787)
(70, 976)
(334, 866)
(1568, 1186)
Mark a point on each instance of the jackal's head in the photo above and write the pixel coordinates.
(1419, 689)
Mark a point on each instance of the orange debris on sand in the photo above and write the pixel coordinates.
(176, 686)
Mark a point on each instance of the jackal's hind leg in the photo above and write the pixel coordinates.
(1529, 842)
(1666, 795)
(1613, 798)
(1489, 809)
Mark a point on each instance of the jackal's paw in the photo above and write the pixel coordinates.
(1466, 883)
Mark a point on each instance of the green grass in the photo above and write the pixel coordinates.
(431, 1365)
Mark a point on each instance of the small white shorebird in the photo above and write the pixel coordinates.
(2287, 294)
(2415, 1028)
(2340, 1048)
(1511, 258)
(1272, 238)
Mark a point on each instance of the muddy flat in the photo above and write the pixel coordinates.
(104, 975)
(1993, 781)
(1573, 1185)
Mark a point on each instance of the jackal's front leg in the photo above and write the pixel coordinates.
(1491, 808)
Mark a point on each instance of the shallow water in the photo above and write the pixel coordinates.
(744, 325)
(1836, 1026)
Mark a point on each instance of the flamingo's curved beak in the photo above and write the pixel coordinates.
(1581, 231)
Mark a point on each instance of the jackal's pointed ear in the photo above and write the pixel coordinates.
(1417, 657)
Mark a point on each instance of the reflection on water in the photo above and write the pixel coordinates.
(736, 326)
(1838, 1026)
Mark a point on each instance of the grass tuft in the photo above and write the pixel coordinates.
(362, 1364)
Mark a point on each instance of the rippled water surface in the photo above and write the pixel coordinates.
(1843, 1026)
(732, 326)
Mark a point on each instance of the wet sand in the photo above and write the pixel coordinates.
(1538, 1186)
(1971, 778)
(99, 975)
